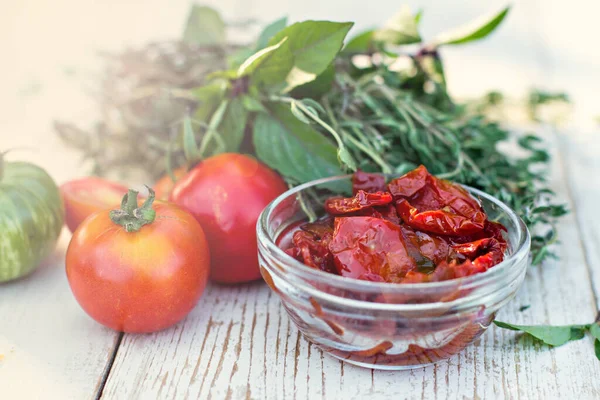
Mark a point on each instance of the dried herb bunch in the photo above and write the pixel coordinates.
(142, 96)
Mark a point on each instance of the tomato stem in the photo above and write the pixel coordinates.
(132, 217)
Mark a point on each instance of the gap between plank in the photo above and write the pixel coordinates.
(109, 365)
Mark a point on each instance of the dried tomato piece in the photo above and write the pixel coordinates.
(319, 228)
(314, 252)
(388, 212)
(459, 200)
(367, 182)
(362, 200)
(434, 205)
(370, 248)
(427, 250)
(441, 222)
(485, 253)
(445, 271)
(410, 183)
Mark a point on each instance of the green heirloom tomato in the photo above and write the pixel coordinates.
(31, 217)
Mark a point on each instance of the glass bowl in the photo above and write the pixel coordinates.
(376, 324)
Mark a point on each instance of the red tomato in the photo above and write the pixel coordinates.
(164, 186)
(226, 193)
(85, 196)
(138, 281)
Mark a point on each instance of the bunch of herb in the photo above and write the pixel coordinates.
(144, 92)
(315, 110)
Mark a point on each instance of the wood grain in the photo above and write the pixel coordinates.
(49, 348)
(582, 166)
(239, 343)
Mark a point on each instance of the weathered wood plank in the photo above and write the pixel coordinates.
(239, 343)
(49, 348)
(582, 167)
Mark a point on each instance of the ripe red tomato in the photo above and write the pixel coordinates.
(226, 193)
(85, 196)
(138, 281)
(164, 186)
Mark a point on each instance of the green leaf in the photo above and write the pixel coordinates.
(209, 97)
(235, 59)
(551, 335)
(252, 104)
(204, 27)
(255, 60)
(292, 147)
(271, 72)
(190, 147)
(212, 141)
(595, 330)
(434, 68)
(298, 114)
(227, 74)
(478, 29)
(360, 43)
(402, 28)
(233, 125)
(269, 31)
(310, 48)
(317, 88)
(418, 16)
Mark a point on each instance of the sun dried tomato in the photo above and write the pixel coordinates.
(320, 228)
(423, 229)
(367, 182)
(434, 205)
(362, 200)
(427, 250)
(442, 222)
(370, 249)
(314, 252)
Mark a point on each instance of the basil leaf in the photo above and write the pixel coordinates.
(204, 27)
(233, 125)
(595, 330)
(271, 72)
(190, 146)
(255, 60)
(551, 335)
(235, 59)
(252, 104)
(475, 30)
(360, 43)
(402, 28)
(292, 147)
(310, 48)
(317, 88)
(209, 97)
(269, 31)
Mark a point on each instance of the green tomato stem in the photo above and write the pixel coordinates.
(132, 217)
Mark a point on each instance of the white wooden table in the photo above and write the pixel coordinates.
(238, 342)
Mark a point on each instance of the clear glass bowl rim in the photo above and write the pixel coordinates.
(303, 271)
